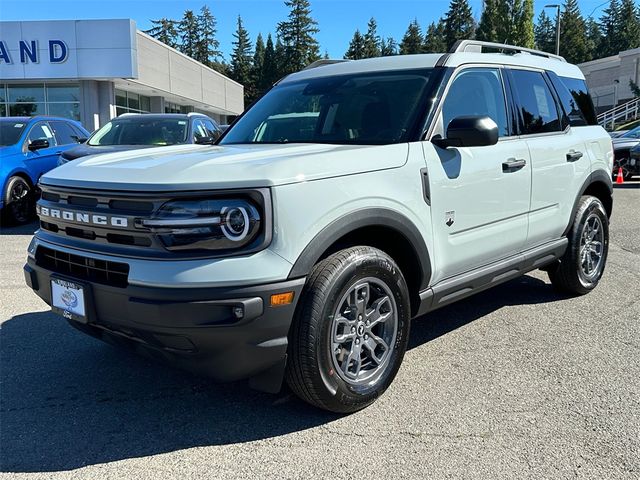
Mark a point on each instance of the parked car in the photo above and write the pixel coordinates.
(622, 147)
(132, 131)
(617, 133)
(30, 147)
(350, 199)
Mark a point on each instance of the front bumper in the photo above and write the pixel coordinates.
(194, 328)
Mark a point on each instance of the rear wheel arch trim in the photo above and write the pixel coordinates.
(596, 177)
(367, 217)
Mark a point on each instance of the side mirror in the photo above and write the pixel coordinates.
(205, 140)
(469, 131)
(38, 144)
(81, 139)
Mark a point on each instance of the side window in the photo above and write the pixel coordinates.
(64, 133)
(477, 91)
(39, 131)
(537, 107)
(198, 130)
(212, 129)
(569, 103)
(580, 94)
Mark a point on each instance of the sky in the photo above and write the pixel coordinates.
(337, 19)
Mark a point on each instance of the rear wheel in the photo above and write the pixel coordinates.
(350, 332)
(582, 265)
(18, 201)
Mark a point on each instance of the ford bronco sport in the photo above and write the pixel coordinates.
(352, 198)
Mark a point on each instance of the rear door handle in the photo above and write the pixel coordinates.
(512, 165)
(573, 156)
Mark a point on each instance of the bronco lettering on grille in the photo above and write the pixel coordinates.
(79, 217)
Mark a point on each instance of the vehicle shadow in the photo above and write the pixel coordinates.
(626, 185)
(67, 400)
(27, 229)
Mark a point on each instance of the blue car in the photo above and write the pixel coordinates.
(30, 147)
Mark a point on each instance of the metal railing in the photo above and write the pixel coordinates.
(626, 112)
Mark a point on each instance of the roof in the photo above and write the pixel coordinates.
(407, 62)
(36, 117)
(161, 115)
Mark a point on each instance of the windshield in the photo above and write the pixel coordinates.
(374, 108)
(139, 130)
(10, 131)
(635, 133)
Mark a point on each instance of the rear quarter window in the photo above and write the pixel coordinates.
(576, 100)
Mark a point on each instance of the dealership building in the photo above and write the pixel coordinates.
(94, 70)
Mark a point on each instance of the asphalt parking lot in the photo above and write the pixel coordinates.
(517, 382)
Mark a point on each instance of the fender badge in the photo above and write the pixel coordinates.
(450, 218)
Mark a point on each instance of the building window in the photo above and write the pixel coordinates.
(170, 107)
(129, 102)
(42, 98)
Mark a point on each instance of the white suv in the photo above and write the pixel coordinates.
(352, 198)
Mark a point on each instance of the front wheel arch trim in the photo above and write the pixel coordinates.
(368, 217)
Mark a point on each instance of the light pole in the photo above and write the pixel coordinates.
(557, 7)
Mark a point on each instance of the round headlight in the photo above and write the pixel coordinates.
(235, 223)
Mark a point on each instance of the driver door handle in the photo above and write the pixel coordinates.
(573, 156)
(513, 165)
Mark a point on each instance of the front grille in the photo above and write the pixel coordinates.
(70, 213)
(115, 274)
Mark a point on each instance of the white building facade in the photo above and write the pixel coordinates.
(608, 78)
(94, 70)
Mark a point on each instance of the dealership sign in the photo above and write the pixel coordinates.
(58, 51)
(68, 49)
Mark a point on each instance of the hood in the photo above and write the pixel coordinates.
(192, 167)
(84, 150)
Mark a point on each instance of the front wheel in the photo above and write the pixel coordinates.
(582, 265)
(350, 331)
(18, 201)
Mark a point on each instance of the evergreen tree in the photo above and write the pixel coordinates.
(298, 36)
(207, 46)
(270, 70)
(545, 33)
(388, 47)
(356, 47)
(371, 40)
(281, 59)
(257, 67)
(594, 39)
(609, 24)
(189, 34)
(523, 24)
(629, 25)
(434, 41)
(458, 22)
(412, 41)
(164, 30)
(241, 59)
(489, 26)
(573, 34)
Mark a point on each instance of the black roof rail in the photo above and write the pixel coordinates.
(477, 46)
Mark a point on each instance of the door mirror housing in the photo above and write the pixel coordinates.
(205, 140)
(469, 131)
(39, 144)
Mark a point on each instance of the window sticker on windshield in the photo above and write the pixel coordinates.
(182, 122)
(18, 125)
(541, 100)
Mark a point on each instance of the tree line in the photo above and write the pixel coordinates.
(293, 46)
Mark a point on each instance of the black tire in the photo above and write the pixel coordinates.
(571, 276)
(18, 201)
(311, 370)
